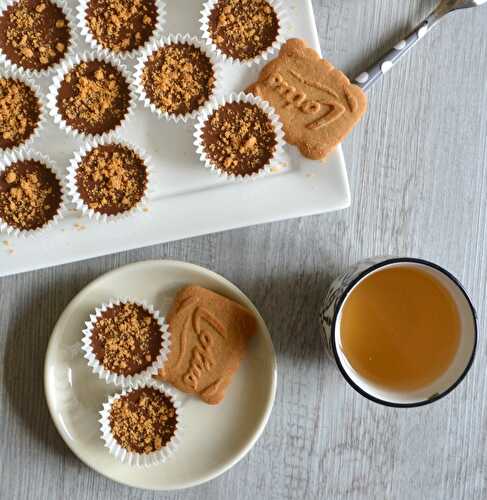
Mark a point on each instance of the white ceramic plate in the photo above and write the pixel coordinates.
(215, 437)
(188, 200)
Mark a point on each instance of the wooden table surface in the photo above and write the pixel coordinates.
(419, 188)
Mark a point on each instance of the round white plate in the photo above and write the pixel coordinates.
(215, 437)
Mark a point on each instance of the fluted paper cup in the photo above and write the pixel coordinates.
(140, 459)
(14, 74)
(275, 161)
(154, 47)
(283, 21)
(109, 376)
(96, 45)
(70, 49)
(64, 69)
(72, 186)
(24, 155)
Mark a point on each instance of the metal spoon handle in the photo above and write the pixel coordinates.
(386, 62)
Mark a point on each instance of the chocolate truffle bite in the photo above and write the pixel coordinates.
(94, 97)
(34, 34)
(143, 421)
(178, 78)
(243, 29)
(30, 195)
(20, 112)
(111, 179)
(121, 25)
(126, 339)
(239, 138)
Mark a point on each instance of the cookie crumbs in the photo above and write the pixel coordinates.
(178, 78)
(125, 335)
(240, 138)
(243, 29)
(112, 179)
(79, 227)
(143, 421)
(31, 196)
(19, 112)
(33, 30)
(95, 94)
(122, 25)
(8, 247)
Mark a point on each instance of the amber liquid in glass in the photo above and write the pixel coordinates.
(400, 328)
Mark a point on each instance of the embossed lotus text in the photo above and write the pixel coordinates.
(327, 109)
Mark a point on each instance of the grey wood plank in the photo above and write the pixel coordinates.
(417, 171)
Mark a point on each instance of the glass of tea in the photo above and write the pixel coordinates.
(402, 331)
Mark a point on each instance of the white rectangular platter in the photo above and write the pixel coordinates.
(187, 199)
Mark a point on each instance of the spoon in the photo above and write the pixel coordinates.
(386, 62)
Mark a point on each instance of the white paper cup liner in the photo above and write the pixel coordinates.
(115, 378)
(168, 40)
(65, 68)
(96, 45)
(72, 187)
(140, 459)
(276, 160)
(27, 154)
(11, 73)
(70, 50)
(282, 18)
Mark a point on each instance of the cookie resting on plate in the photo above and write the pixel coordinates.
(209, 337)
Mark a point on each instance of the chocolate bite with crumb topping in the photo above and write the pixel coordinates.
(111, 179)
(126, 339)
(94, 97)
(34, 34)
(178, 78)
(30, 195)
(121, 25)
(20, 112)
(143, 421)
(243, 29)
(239, 138)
